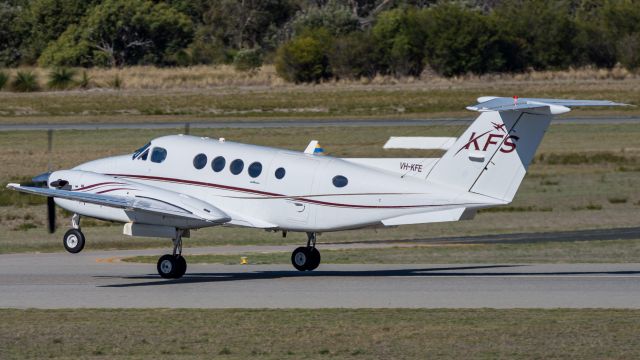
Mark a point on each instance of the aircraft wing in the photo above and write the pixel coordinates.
(191, 209)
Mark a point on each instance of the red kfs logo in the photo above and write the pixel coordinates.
(483, 141)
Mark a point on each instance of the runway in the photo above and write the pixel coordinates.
(292, 123)
(94, 280)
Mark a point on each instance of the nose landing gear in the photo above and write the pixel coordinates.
(173, 266)
(73, 239)
(306, 258)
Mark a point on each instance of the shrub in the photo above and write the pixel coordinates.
(303, 59)
(85, 80)
(116, 83)
(25, 81)
(248, 59)
(353, 56)
(4, 78)
(61, 78)
(618, 200)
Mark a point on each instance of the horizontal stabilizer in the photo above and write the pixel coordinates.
(556, 106)
(417, 142)
(431, 217)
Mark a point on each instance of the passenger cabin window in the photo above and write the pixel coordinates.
(236, 166)
(218, 164)
(158, 154)
(139, 151)
(255, 169)
(340, 181)
(200, 161)
(280, 172)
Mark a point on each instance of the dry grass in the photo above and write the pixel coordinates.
(209, 76)
(321, 333)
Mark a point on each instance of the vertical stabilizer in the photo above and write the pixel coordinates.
(492, 156)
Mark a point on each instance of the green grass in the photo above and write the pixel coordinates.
(321, 333)
(609, 251)
(293, 102)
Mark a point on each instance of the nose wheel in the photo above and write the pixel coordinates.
(173, 266)
(73, 239)
(306, 258)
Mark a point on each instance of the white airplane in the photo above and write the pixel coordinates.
(178, 183)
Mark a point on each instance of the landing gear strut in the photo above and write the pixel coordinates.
(173, 266)
(306, 258)
(73, 239)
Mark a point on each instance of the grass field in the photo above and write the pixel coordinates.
(610, 251)
(584, 176)
(320, 334)
(201, 96)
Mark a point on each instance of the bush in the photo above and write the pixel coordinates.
(246, 60)
(460, 40)
(4, 78)
(85, 80)
(61, 78)
(354, 56)
(25, 81)
(303, 59)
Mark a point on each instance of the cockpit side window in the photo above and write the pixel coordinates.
(139, 151)
(158, 154)
(143, 157)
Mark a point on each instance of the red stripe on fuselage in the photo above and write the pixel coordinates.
(245, 190)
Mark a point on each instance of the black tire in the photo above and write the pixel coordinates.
(168, 266)
(181, 266)
(314, 259)
(300, 258)
(73, 241)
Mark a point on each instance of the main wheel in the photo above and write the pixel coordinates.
(300, 258)
(314, 259)
(73, 241)
(182, 267)
(168, 266)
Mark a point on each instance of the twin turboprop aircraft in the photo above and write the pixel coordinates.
(178, 183)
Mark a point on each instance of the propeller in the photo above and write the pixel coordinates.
(42, 180)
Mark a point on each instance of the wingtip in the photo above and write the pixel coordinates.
(12, 185)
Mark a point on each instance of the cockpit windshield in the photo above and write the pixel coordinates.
(141, 150)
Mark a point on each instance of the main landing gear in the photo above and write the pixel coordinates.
(306, 258)
(73, 239)
(173, 266)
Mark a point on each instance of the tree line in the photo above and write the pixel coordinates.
(312, 40)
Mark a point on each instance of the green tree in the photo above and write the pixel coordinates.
(354, 56)
(122, 32)
(461, 40)
(47, 20)
(543, 30)
(400, 36)
(11, 34)
(304, 59)
(334, 16)
(230, 25)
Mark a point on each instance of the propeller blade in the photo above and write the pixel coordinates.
(51, 214)
(42, 178)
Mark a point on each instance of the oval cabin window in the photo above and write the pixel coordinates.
(340, 181)
(236, 166)
(200, 161)
(218, 164)
(255, 169)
